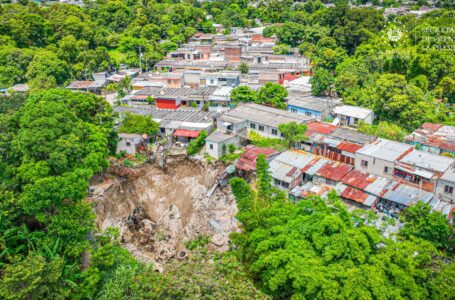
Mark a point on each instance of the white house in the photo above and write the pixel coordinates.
(217, 143)
(129, 142)
(347, 115)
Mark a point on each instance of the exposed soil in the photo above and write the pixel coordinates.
(162, 208)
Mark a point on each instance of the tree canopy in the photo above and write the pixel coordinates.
(139, 124)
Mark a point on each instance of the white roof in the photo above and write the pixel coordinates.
(296, 159)
(428, 161)
(385, 149)
(353, 111)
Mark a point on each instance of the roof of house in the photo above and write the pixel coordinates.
(407, 195)
(89, 84)
(247, 160)
(435, 135)
(348, 147)
(386, 150)
(319, 104)
(353, 111)
(321, 128)
(295, 158)
(428, 161)
(176, 92)
(334, 171)
(449, 175)
(358, 179)
(266, 115)
(358, 196)
(186, 133)
(219, 136)
(310, 188)
(352, 136)
(283, 171)
(161, 115)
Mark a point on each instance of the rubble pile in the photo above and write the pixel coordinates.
(161, 209)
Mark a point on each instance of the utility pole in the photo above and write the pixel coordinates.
(140, 59)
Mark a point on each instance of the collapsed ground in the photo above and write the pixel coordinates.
(160, 209)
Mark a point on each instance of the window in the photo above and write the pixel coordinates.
(386, 170)
(253, 126)
(274, 132)
(448, 189)
(308, 114)
(294, 110)
(261, 128)
(128, 144)
(364, 163)
(211, 146)
(356, 121)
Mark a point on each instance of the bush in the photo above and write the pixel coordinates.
(195, 145)
(128, 163)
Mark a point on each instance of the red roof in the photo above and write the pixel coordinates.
(247, 160)
(186, 133)
(354, 195)
(321, 128)
(431, 126)
(348, 147)
(334, 171)
(358, 179)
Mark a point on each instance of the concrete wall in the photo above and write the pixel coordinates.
(440, 187)
(375, 166)
(128, 144)
(215, 150)
(308, 112)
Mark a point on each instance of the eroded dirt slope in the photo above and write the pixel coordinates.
(162, 208)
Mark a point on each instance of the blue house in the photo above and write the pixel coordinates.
(318, 108)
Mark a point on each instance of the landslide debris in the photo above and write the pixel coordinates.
(158, 209)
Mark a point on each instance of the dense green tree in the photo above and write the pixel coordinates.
(293, 133)
(139, 124)
(243, 94)
(421, 222)
(322, 82)
(272, 94)
(383, 129)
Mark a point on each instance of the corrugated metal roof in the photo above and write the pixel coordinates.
(266, 115)
(407, 195)
(385, 149)
(334, 171)
(186, 133)
(428, 161)
(358, 179)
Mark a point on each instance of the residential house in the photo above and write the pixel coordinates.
(93, 86)
(226, 78)
(217, 143)
(445, 188)
(347, 115)
(318, 108)
(434, 138)
(131, 143)
(174, 98)
(172, 120)
(380, 157)
(286, 168)
(421, 169)
(261, 119)
(247, 161)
